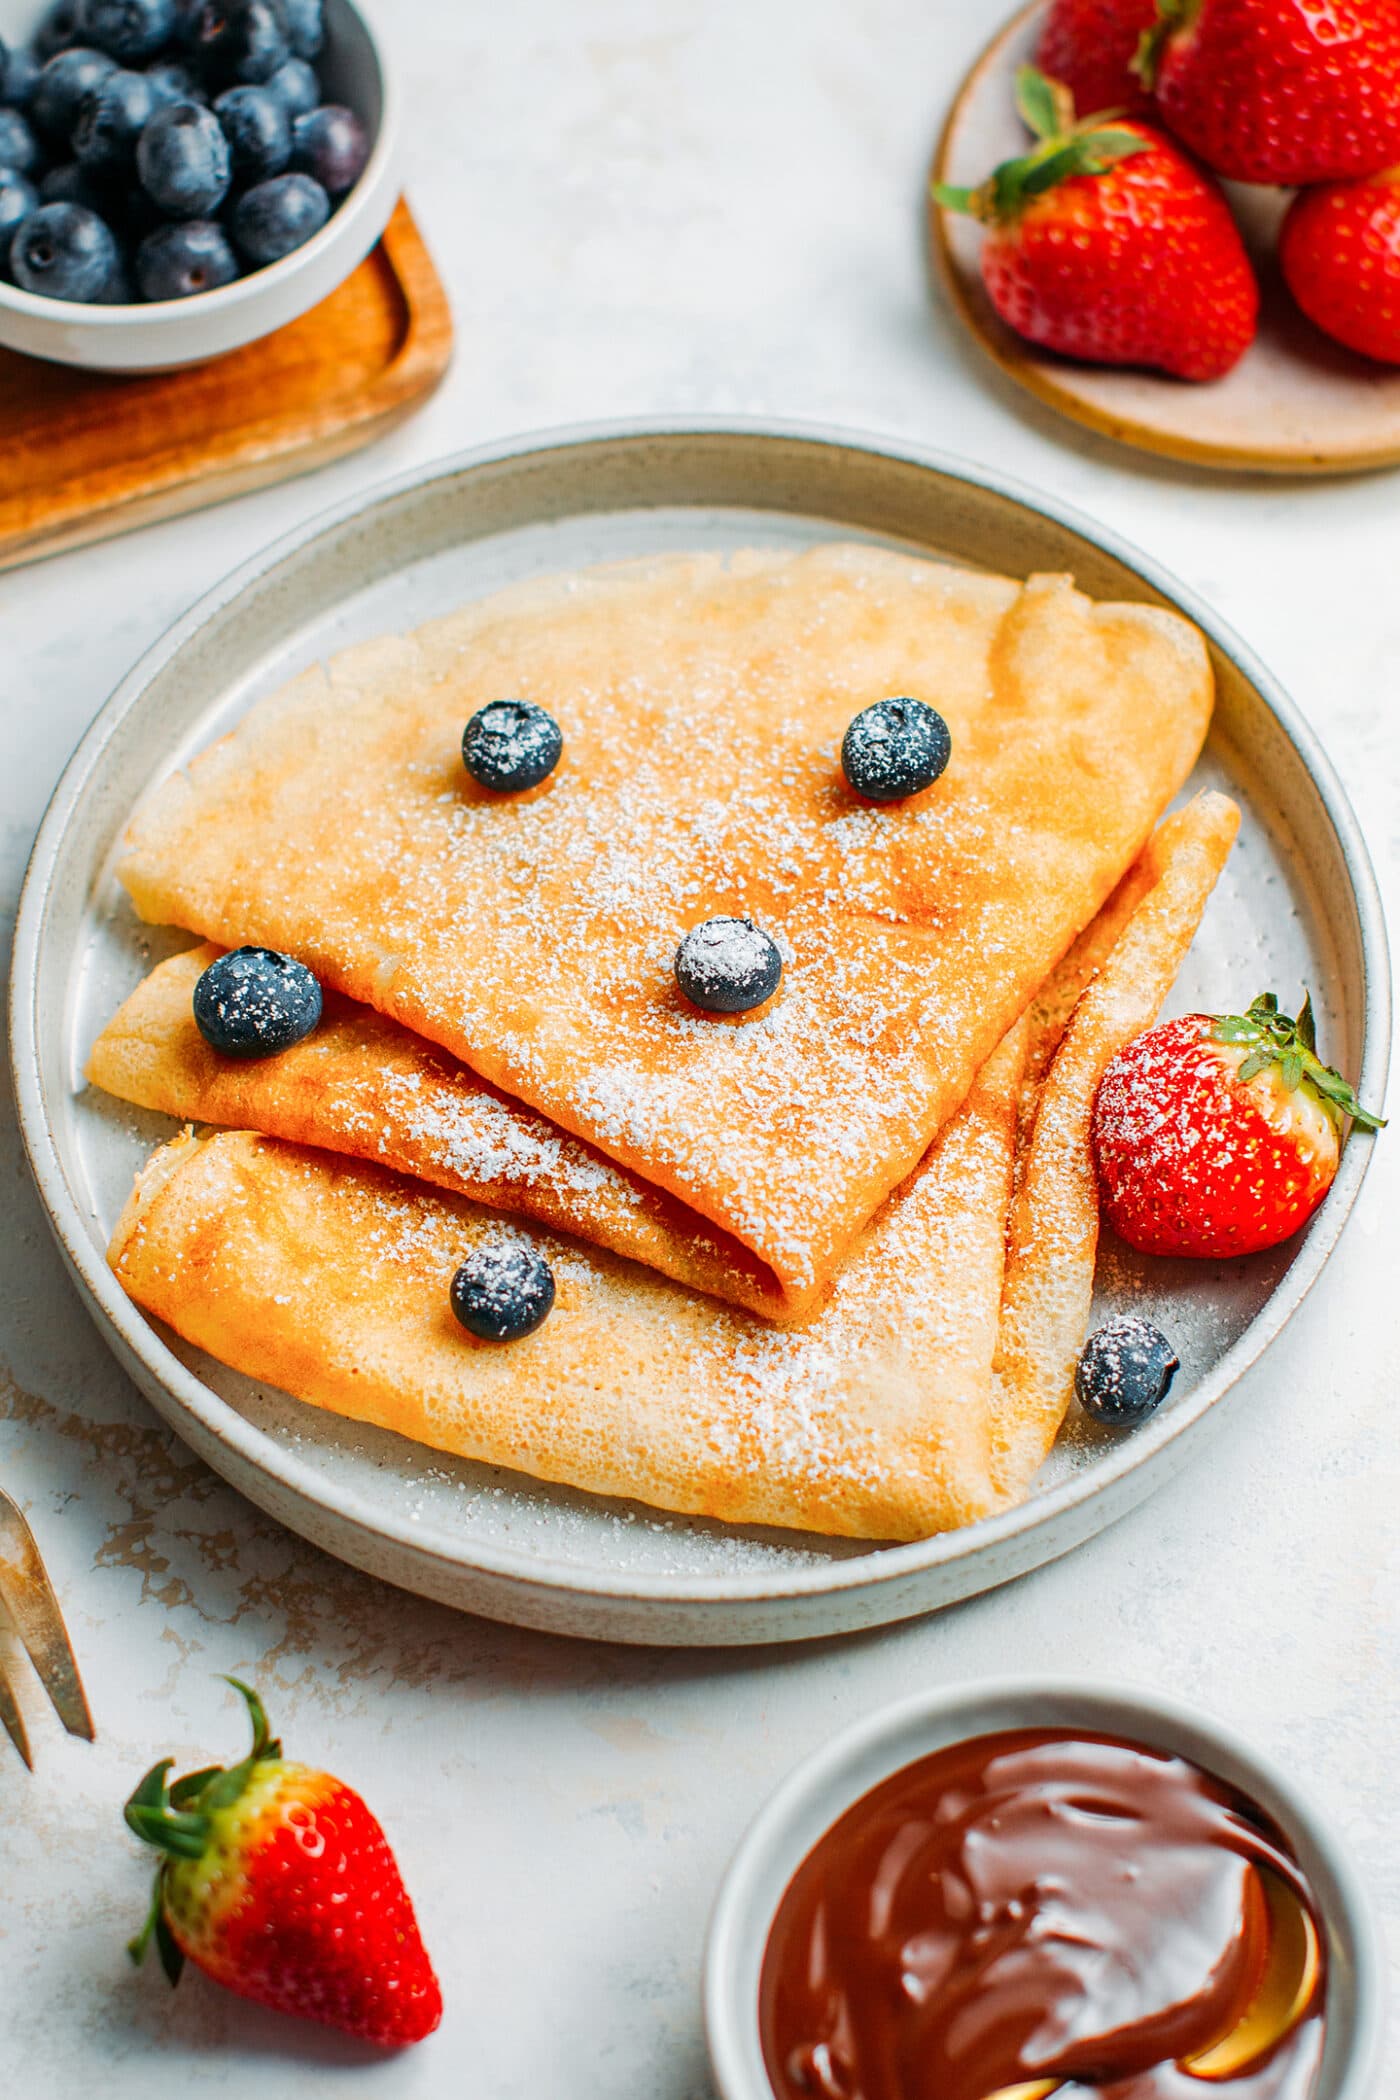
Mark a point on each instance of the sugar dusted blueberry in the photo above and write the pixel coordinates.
(1125, 1371)
(895, 748)
(129, 30)
(333, 145)
(511, 745)
(176, 262)
(258, 128)
(728, 966)
(62, 251)
(183, 160)
(503, 1291)
(277, 216)
(254, 1002)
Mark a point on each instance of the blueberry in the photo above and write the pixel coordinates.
(110, 121)
(333, 145)
(306, 25)
(511, 745)
(296, 87)
(127, 29)
(254, 1002)
(174, 82)
(70, 184)
(236, 40)
(503, 1291)
(895, 748)
(58, 28)
(258, 129)
(728, 966)
(183, 161)
(19, 149)
(18, 198)
(118, 289)
(60, 88)
(174, 262)
(1125, 1371)
(64, 252)
(21, 74)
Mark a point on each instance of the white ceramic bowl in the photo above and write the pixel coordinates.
(355, 70)
(808, 1803)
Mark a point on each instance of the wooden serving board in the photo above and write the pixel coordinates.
(85, 455)
(1297, 403)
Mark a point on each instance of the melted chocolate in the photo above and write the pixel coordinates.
(1031, 1905)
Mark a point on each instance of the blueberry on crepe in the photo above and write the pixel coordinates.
(254, 1002)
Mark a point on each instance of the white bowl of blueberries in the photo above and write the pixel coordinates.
(180, 177)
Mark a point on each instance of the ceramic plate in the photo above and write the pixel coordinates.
(487, 1540)
(1297, 403)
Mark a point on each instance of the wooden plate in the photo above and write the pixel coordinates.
(1297, 403)
(84, 455)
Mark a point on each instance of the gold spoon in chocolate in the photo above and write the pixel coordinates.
(1285, 1992)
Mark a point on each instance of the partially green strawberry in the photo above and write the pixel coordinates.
(1106, 243)
(1220, 1134)
(1279, 91)
(277, 1881)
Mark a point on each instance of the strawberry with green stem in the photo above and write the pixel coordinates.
(277, 1882)
(1106, 243)
(1219, 1135)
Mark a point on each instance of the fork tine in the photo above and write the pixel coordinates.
(14, 1725)
(27, 1594)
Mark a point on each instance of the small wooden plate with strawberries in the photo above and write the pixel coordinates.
(1296, 403)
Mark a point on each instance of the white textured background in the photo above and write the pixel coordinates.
(657, 205)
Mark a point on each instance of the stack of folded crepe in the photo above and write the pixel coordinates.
(828, 1266)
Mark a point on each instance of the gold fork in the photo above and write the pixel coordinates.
(27, 1598)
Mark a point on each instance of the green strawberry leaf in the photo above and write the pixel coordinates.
(171, 1958)
(1046, 108)
(1275, 1038)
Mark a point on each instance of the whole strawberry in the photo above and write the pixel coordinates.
(1106, 243)
(1220, 1135)
(278, 1882)
(1088, 46)
(1340, 251)
(1279, 91)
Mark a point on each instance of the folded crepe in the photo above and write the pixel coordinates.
(877, 1419)
(329, 1279)
(703, 700)
(1053, 1234)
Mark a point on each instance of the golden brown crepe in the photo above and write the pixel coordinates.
(703, 700)
(1054, 1228)
(330, 1279)
(364, 1086)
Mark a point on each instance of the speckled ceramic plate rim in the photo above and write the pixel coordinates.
(842, 1771)
(996, 1540)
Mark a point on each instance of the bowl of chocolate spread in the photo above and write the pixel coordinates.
(1013, 1890)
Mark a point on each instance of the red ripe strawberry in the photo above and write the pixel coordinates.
(278, 1882)
(1089, 46)
(1280, 91)
(1340, 251)
(1106, 243)
(1219, 1135)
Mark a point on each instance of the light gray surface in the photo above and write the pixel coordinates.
(551, 1558)
(659, 208)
